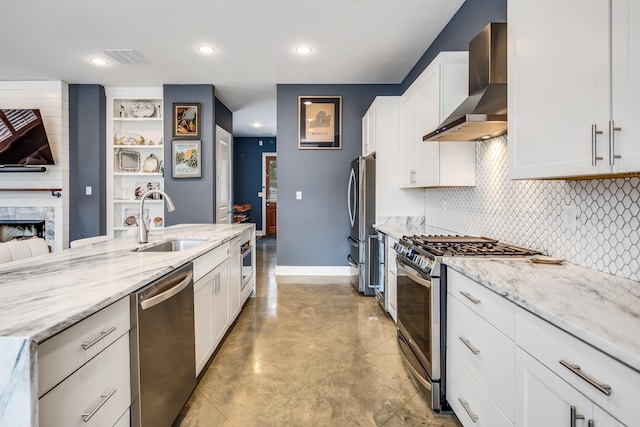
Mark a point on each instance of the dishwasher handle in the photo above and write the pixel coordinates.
(184, 281)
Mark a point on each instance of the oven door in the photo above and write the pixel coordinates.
(419, 328)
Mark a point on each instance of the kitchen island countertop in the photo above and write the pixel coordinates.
(598, 308)
(44, 295)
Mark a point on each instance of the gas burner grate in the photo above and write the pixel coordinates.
(465, 246)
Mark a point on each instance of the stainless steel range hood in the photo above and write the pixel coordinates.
(483, 114)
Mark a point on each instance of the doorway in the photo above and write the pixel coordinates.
(270, 189)
(223, 176)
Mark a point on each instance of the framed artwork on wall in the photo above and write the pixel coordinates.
(186, 120)
(320, 122)
(186, 159)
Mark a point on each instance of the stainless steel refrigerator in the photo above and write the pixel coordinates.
(361, 197)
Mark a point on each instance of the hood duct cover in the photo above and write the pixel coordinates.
(483, 114)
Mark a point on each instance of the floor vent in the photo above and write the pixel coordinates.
(126, 56)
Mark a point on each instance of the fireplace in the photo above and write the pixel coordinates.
(15, 229)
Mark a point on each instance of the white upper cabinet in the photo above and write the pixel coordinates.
(571, 87)
(441, 87)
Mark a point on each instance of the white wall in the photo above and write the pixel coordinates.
(52, 98)
(528, 213)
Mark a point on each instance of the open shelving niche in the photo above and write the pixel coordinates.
(137, 130)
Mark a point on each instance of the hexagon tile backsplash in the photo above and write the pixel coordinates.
(606, 236)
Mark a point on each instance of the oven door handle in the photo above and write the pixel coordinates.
(352, 261)
(412, 273)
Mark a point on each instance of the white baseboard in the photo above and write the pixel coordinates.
(260, 233)
(312, 270)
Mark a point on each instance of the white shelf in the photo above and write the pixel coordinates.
(137, 174)
(116, 146)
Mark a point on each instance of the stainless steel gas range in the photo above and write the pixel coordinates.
(421, 293)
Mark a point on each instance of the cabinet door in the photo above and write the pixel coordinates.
(625, 96)
(235, 279)
(392, 279)
(602, 419)
(544, 399)
(220, 302)
(406, 142)
(369, 131)
(203, 319)
(558, 87)
(427, 153)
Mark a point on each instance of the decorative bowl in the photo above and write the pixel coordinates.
(141, 109)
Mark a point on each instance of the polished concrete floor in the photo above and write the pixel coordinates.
(307, 351)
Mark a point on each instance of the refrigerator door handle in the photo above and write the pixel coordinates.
(350, 193)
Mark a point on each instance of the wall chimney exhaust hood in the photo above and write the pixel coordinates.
(483, 114)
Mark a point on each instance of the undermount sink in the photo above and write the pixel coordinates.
(171, 245)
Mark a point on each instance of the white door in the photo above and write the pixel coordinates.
(223, 176)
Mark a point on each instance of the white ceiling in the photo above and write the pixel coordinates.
(353, 41)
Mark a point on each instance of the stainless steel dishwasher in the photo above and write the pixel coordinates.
(163, 371)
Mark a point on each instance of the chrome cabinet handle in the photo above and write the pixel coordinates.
(105, 397)
(603, 388)
(466, 407)
(103, 334)
(612, 129)
(575, 416)
(470, 346)
(594, 132)
(468, 296)
(590, 423)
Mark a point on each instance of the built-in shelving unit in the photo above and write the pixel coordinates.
(135, 157)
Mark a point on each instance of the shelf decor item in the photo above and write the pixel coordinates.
(128, 138)
(186, 120)
(129, 161)
(320, 122)
(142, 187)
(151, 164)
(186, 159)
(141, 109)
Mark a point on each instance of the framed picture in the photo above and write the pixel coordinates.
(320, 122)
(186, 159)
(186, 120)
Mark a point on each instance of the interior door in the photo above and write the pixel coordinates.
(271, 181)
(223, 176)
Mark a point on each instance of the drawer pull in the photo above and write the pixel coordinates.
(603, 388)
(470, 346)
(590, 424)
(471, 298)
(103, 334)
(575, 416)
(105, 397)
(466, 407)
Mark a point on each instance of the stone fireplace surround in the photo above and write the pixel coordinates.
(34, 214)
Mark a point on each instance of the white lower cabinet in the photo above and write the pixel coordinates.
(235, 278)
(203, 319)
(545, 399)
(97, 394)
(392, 279)
(469, 401)
(221, 318)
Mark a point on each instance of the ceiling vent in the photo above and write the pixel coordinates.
(126, 56)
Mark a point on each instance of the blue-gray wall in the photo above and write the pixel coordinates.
(313, 231)
(247, 173)
(194, 197)
(465, 24)
(87, 161)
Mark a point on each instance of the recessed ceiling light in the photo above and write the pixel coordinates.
(98, 61)
(206, 49)
(303, 50)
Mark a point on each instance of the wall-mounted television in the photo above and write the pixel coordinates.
(23, 140)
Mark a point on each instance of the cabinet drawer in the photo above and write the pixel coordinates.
(100, 388)
(550, 345)
(493, 364)
(125, 419)
(461, 387)
(487, 304)
(65, 352)
(207, 262)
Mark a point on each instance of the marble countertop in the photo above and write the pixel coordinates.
(398, 230)
(600, 309)
(43, 295)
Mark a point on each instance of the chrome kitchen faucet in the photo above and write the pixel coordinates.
(143, 231)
